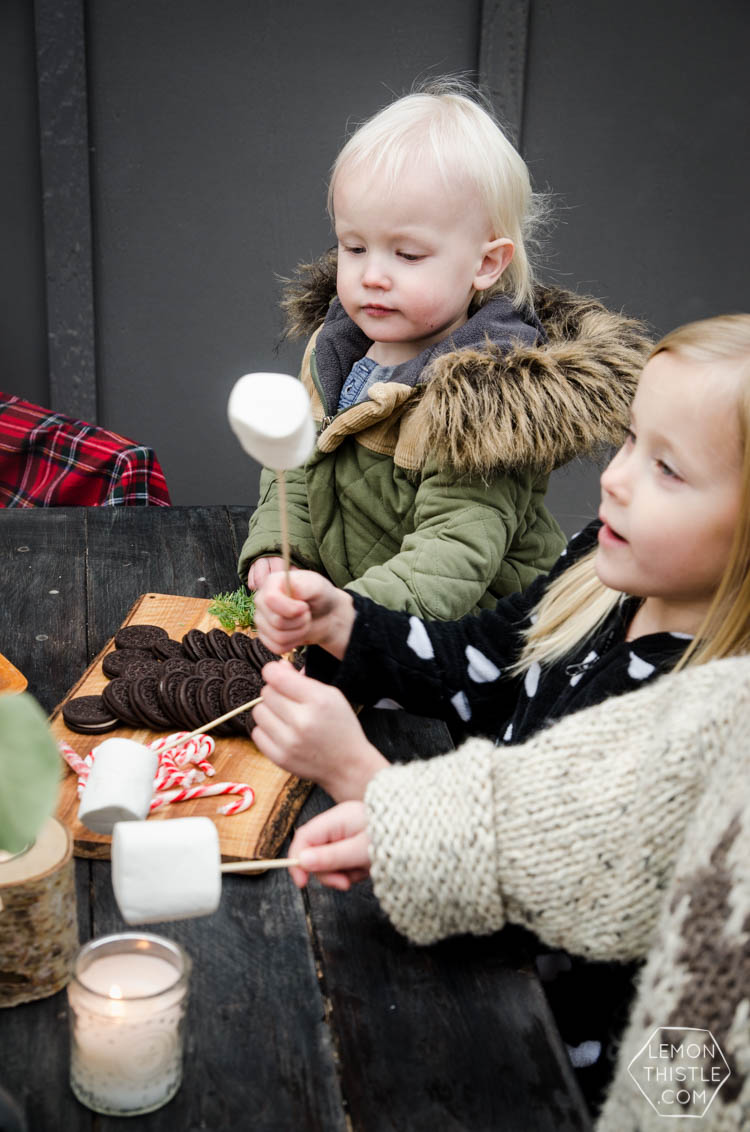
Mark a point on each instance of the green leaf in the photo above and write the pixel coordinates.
(234, 610)
(29, 771)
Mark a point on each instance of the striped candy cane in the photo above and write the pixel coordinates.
(166, 797)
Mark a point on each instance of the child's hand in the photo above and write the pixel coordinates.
(317, 614)
(309, 729)
(334, 846)
(261, 568)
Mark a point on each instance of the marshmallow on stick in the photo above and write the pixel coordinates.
(271, 416)
(172, 870)
(166, 870)
(119, 786)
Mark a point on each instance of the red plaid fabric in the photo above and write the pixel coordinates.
(50, 460)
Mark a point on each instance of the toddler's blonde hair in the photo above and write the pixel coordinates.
(576, 603)
(447, 123)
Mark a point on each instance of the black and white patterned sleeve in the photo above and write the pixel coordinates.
(452, 670)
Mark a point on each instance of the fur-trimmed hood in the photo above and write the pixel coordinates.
(487, 408)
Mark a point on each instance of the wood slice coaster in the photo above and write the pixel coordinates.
(38, 926)
(259, 831)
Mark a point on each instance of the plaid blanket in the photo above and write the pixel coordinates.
(51, 460)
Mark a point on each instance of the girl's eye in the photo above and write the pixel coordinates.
(353, 249)
(410, 257)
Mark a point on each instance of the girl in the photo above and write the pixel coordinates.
(658, 581)
(586, 819)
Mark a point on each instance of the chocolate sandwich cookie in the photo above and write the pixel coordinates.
(187, 702)
(113, 663)
(144, 699)
(239, 690)
(116, 696)
(134, 668)
(209, 702)
(179, 664)
(89, 714)
(163, 650)
(167, 691)
(241, 646)
(218, 642)
(194, 643)
(262, 654)
(209, 666)
(139, 636)
(235, 667)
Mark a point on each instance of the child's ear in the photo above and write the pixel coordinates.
(496, 255)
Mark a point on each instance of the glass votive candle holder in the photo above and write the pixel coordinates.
(127, 1001)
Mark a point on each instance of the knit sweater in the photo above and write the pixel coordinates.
(621, 832)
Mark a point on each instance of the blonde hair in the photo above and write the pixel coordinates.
(577, 603)
(449, 122)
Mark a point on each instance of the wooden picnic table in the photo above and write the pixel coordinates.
(307, 1009)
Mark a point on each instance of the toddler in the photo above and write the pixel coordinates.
(445, 384)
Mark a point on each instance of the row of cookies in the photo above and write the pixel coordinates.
(161, 683)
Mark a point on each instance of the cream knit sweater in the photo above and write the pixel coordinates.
(621, 832)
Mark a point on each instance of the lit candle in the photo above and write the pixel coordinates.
(127, 1004)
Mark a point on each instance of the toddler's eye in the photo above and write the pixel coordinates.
(410, 257)
(353, 249)
(665, 470)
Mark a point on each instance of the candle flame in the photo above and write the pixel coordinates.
(115, 991)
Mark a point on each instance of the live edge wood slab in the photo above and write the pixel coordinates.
(257, 832)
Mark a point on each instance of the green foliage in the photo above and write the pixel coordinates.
(234, 610)
(29, 770)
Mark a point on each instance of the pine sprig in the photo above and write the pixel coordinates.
(233, 610)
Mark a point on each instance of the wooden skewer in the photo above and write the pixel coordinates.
(259, 866)
(212, 723)
(283, 515)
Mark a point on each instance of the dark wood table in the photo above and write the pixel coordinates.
(307, 1010)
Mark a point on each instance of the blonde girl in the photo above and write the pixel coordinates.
(658, 581)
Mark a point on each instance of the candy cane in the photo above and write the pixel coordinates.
(74, 761)
(173, 782)
(166, 797)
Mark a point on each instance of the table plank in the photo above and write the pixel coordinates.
(43, 562)
(259, 1052)
(439, 1028)
(180, 550)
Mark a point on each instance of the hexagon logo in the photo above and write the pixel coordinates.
(680, 1070)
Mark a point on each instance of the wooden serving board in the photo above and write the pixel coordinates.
(259, 831)
(11, 680)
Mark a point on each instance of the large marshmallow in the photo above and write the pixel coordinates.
(166, 870)
(271, 416)
(120, 784)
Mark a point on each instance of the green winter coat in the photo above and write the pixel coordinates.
(429, 498)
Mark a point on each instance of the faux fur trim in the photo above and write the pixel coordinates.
(482, 411)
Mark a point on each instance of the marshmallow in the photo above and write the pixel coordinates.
(120, 784)
(270, 414)
(166, 870)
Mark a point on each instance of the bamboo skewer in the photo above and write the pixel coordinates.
(259, 865)
(212, 723)
(284, 516)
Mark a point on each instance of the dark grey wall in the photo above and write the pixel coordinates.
(212, 127)
(23, 323)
